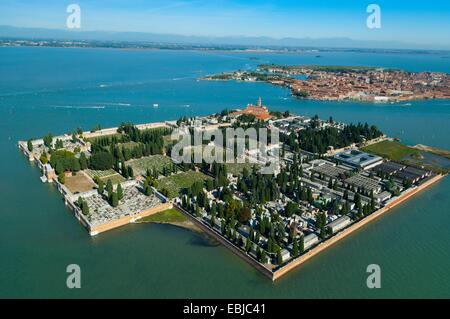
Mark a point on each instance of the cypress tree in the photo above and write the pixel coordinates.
(109, 187)
(30, 146)
(85, 208)
(295, 249)
(248, 245)
(62, 178)
(119, 192)
(124, 171)
(302, 244)
(279, 258)
(100, 188)
(83, 161)
(79, 201)
(114, 200)
(130, 172)
(263, 257)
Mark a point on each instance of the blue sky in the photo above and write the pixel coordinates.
(420, 22)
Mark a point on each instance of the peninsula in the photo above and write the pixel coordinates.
(327, 182)
(339, 83)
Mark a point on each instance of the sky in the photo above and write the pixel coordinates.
(411, 21)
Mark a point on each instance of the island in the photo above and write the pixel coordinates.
(354, 83)
(330, 179)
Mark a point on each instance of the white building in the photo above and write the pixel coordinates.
(310, 240)
(339, 223)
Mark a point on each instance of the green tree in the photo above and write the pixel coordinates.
(148, 190)
(222, 227)
(30, 146)
(197, 211)
(320, 220)
(59, 144)
(309, 195)
(124, 170)
(80, 201)
(263, 257)
(83, 161)
(301, 244)
(213, 209)
(85, 208)
(109, 187)
(59, 168)
(114, 201)
(48, 139)
(291, 209)
(345, 194)
(100, 188)
(62, 178)
(101, 161)
(130, 172)
(165, 192)
(248, 245)
(75, 166)
(295, 250)
(279, 257)
(119, 191)
(330, 183)
(43, 159)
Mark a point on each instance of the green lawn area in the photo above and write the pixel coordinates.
(115, 179)
(100, 174)
(175, 184)
(391, 150)
(152, 162)
(167, 216)
(105, 175)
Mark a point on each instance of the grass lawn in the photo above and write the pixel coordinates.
(105, 175)
(152, 162)
(391, 150)
(175, 184)
(167, 216)
(79, 183)
(115, 179)
(100, 174)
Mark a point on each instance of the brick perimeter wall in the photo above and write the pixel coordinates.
(128, 219)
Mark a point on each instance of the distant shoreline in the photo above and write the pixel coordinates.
(228, 48)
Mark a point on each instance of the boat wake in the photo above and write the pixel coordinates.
(77, 107)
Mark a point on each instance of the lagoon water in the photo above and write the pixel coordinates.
(58, 90)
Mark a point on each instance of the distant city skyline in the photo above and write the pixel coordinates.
(423, 24)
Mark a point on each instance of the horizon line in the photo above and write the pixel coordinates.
(363, 44)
